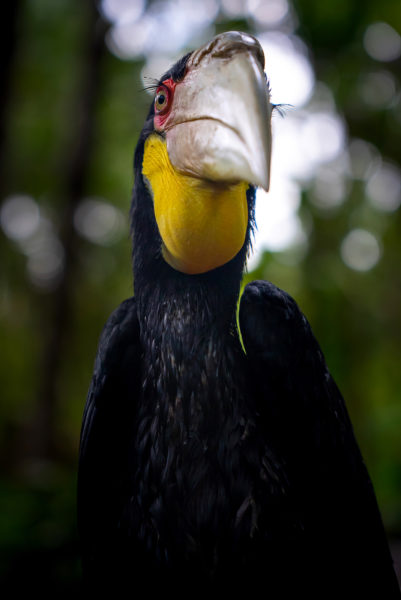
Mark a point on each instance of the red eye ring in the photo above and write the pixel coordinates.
(162, 99)
(163, 102)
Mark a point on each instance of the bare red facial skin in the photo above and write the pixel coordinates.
(162, 109)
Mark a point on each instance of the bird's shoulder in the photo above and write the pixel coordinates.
(120, 332)
(273, 326)
(287, 362)
(116, 368)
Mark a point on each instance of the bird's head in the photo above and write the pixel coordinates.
(205, 144)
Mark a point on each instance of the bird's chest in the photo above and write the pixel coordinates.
(197, 450)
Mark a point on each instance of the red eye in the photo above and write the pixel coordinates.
(162, 99)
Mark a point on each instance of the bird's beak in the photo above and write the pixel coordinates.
(219, 127)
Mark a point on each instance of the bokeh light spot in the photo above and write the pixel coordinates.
(329, 189)
(46, 264)
(360, 250)
(378, 89)
(364, 159)
(99, 222)
(234, 8)
(45, 254)
(384, 188)
(122, 11)
(19, 217)
(382, 42)
(324, 136)
(268, 13)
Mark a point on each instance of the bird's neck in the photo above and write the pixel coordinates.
(186, 308)
(192, 360)
(188, 325)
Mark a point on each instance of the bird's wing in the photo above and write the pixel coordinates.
(107, 429)
(306, 418)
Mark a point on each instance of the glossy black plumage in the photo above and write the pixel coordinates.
(205, 469)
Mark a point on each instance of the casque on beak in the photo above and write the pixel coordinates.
(219, 126)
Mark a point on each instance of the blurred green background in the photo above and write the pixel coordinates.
(71, 107)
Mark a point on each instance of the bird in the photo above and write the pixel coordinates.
(216, 451)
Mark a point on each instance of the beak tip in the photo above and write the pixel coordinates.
(265, 185)
(260, 175)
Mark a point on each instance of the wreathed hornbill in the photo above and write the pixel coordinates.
(207, 462)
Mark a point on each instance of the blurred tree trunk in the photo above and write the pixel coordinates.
(9, 21)
(41, 441)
